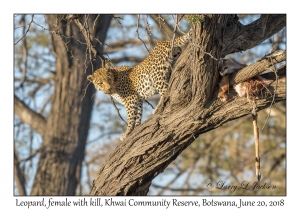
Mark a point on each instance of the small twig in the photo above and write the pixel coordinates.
(31, 156)
(148, 31)
(276, 85)
(85, 90)
(137, 32)
(45, 19)
(46, 29)
(178, 19)
(89, 44)
(164, 26)
(95, 22)
(117, 21)
(172, 43)
(112, 100)
(99, 41)
(29, 25)
(94, 95)
(163, 20)
(63, 38)
(149, 104)
(203, 51)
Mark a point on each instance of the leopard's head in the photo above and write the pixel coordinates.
(103, 79)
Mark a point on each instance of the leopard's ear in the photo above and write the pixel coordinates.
(90, 78)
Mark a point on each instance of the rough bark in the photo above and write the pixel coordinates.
(66, 129)
(189, 109)
(236, 37)
(267, 62)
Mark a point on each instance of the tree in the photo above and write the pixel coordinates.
(190, 107)
(65, 129)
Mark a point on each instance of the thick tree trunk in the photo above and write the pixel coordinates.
(190, 107)
(66, 129)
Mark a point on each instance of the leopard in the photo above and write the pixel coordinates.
(130, 86)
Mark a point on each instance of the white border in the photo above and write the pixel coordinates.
(153, 6)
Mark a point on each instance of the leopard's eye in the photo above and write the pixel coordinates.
(100, 83)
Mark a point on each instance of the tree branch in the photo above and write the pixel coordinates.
(153, 145)
(237, 38)
(31, 156)
(88, 40)
(24, 34)
(258, 67)
(28, 116)
(164, 26)
(19, 176)
(189, 108)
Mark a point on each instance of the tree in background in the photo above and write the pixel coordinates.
(64, 131)
(225, 153)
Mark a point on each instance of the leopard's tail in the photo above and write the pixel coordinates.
(183, 40)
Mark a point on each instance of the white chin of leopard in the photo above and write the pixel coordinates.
(240, 89)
